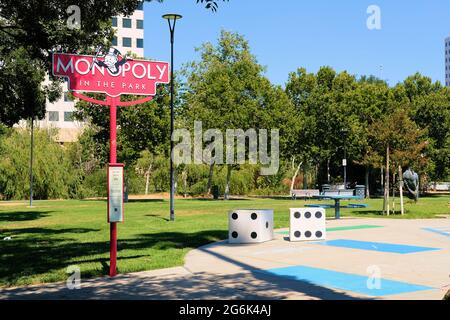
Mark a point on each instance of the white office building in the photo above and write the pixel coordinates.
(129, 38)
(447, 62)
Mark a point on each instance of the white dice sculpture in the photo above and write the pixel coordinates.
(307, 224)
(250, 226)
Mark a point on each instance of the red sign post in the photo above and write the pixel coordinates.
(114, 75)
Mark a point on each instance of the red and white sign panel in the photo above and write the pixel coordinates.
(91, 74)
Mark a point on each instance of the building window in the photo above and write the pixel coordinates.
(67, 97)
(126, 23)
(114, 41)
(140, 6)
(114, 22)
(126, 42)
(139, 24)
(140, 43)
(53, 116)
(68, 116)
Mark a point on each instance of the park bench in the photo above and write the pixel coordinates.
(306, 193)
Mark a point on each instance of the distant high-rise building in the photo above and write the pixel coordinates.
(447, 62)
(129, 33)
(129, 38)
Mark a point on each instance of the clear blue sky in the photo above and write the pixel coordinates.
(288, 34)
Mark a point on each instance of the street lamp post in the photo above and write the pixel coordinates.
(31, 161)
(172, 20)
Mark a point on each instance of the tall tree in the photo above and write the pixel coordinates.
(432, 112)
(369, 101)
(324, 106)
(399, 141)
(226, 89)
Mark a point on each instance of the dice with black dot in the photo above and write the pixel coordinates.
(250, 226)
(307, 224)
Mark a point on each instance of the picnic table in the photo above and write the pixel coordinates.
(337, 203)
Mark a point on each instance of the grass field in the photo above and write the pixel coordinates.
(53, 235)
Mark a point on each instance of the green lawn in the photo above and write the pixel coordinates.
(48, 238)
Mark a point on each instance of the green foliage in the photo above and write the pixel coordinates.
(21, 90)
(227, 89)
(95, 184)
(30, 31)
(413, 117)
(142, 127)
(52, 172)
(318, 114)
(432, 112)
(210, 4)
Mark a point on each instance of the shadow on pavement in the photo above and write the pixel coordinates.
(252, 284)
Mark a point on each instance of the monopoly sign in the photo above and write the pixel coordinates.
(111, 74)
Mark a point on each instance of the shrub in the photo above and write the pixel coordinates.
(52, 170)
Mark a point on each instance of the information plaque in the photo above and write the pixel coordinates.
(115, 192)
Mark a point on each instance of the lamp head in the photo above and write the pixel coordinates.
(172, 16)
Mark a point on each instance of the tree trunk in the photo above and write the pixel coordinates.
(400, 175)
(210, 177)
(295, 176)
(305, 178)
(328, 171)
(393, 191)
(147, 179)
(316, 175)
(184, 175)
(367, 182)
(386, 184)
(227, 186)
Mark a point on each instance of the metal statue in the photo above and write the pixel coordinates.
(411, 182)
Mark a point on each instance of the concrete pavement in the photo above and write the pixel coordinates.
(224, 271)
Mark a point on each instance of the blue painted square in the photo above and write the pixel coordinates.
(441, 231)
(345, 281)
(375, 246)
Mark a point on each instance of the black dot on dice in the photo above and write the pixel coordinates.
(308, 234)
(307, 215)
(318, 234)
(297, 215)
(234, 216)
(318, 214)
(297, 234)
(254, 235)
(234, 234)
(267, 225)
(254, 216)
